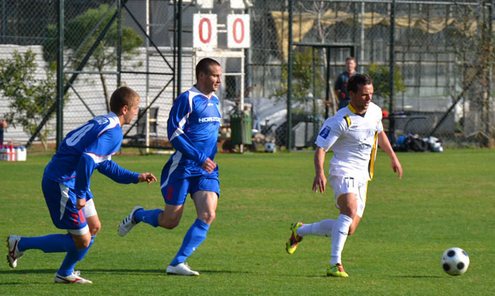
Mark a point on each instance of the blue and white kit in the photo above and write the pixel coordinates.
(193, 131)
(85, 149)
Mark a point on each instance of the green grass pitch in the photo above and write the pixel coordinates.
(444, 200)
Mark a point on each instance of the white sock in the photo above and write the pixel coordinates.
(339, 236)
(322, 228)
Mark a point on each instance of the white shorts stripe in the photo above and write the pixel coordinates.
(175, 162)
(64, 191)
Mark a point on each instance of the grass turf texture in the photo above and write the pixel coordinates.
(444, 200)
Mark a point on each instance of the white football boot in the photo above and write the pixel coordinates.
(181, 269)
(128, 222)
(74, 278)
(14, 253)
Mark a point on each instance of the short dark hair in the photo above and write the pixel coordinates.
(204, 66)
(358, 80)
(121, 97)
(350, 58)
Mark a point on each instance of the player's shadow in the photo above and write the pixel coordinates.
(28, 271)
(224, 271)
(417, 276)
(48, 272)
(51, 272)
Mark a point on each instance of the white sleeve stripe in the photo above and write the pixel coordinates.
(190, 98)
(177, 133)
(97, 158)
(180, 129)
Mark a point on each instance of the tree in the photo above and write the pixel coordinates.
(29, 97)
(82, 32)
(302, 76)
(473, 43)
(381, 81)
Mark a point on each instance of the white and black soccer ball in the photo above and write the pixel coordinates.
(455, 261)
(270, 147)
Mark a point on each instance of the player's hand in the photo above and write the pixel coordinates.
(397, 168)
(147, 177)
(320, 183)
(81, 202)
(209, 165)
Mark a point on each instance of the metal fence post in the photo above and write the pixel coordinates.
(60, 73)
(289, 79)
(391, 128)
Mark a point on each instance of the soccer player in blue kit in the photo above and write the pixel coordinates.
(192, 129)
(66, 186)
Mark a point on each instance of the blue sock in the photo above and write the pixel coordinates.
(49, 243)
(147, 216)
(194, 237)
(73, 256)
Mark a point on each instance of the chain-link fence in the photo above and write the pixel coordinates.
(442, 54)
(106, 43)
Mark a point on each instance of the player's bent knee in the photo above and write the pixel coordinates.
(94, 224)
(208, 217)
(349, 211)
(82, 242)
(169, 226)
(169, 223)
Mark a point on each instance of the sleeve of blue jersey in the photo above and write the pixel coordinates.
(117, 173)
(108, 143)
(84, 170)
(181, 141)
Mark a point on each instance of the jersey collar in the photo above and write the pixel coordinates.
(353, 110)
(113, 116)
(195, 89)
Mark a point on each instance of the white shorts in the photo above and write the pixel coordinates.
(344, 184)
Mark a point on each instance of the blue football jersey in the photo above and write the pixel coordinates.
(85, 149)
(192, 129)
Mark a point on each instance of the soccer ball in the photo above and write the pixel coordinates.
(455, 261)
(270, 147)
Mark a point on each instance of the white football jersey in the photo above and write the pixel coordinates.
(353, 138)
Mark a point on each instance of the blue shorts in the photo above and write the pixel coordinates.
(61, 202)
(175, 186)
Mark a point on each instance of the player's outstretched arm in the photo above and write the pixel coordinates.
(147, 177)
(384, 143)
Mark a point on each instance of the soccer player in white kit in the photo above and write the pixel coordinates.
(353, 135)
